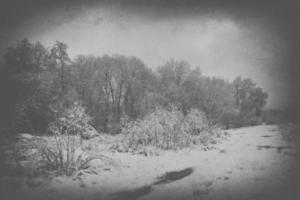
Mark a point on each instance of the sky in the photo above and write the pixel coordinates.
(224, 40)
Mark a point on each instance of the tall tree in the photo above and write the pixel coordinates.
(25, 97)
(60, 57)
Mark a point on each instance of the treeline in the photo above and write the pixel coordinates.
(38, 82)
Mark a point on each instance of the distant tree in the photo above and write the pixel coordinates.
(217, 98)
(142, 94)
(112, 88)
(60, 57)
(87, 81)
(258, 99)
(192, 93)
(249, 97)
(177, 83)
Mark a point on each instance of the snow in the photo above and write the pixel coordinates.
(234, 169)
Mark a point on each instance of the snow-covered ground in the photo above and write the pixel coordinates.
(252, 163)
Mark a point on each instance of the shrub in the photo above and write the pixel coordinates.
(167, 129)
(159, 128)
(71, 121)
(64, 153)
(196, 122)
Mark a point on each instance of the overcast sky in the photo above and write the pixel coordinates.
(223, 41)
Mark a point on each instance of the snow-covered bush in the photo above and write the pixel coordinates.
(64, 153)
(196, 122)
(167, 129)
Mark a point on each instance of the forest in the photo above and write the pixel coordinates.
(39, 84)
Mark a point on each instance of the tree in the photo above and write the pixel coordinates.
(60, 57)
(25, 92)
(140, 82)
(33, 79)
(176, 83)
(217, 98)
(258, 99)
(112, 86)
(249, 97)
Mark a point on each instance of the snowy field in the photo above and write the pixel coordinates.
(251, 163)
